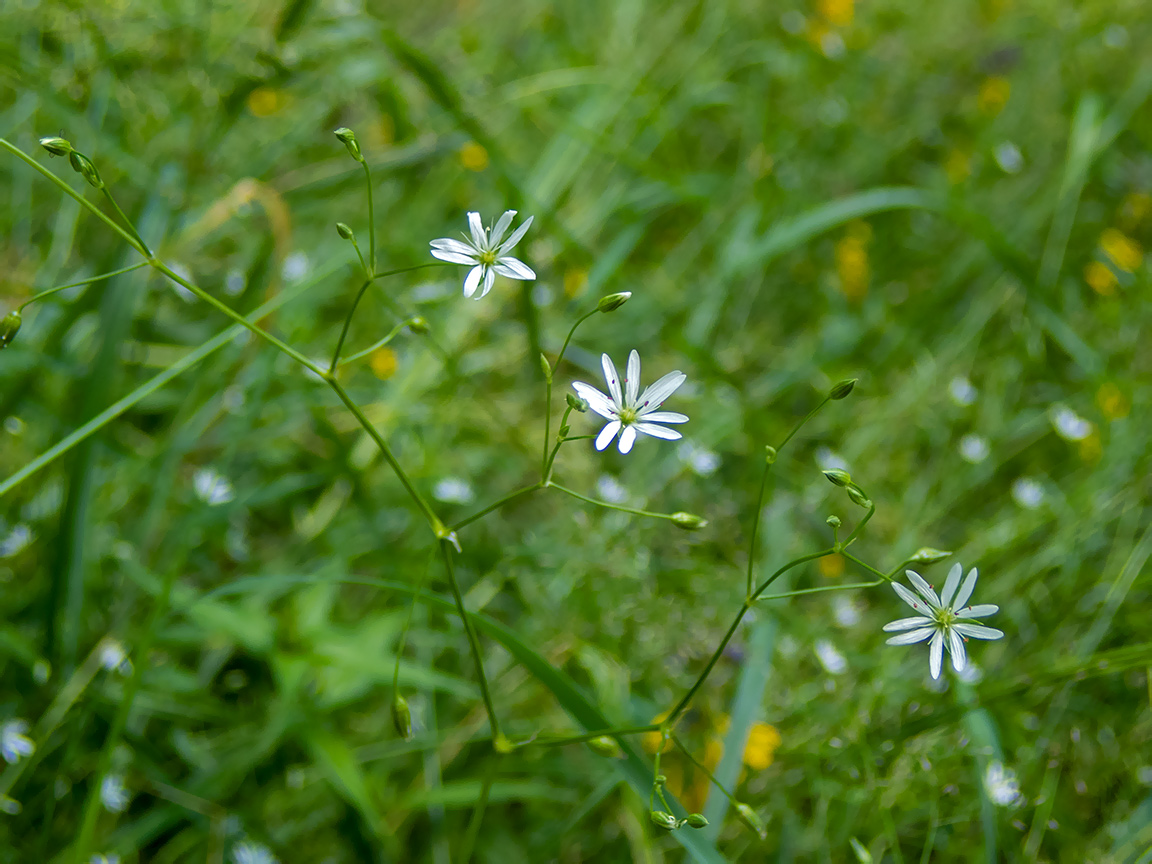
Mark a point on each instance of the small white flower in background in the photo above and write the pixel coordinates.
(110, 858)
(846, 611)
(247, 852)
(211, 487)
(14, 744)
(700, 459)
(18, 539)
(486, 254)
(828, 459)
(971, 673)
(962, 391)
(453, 490)
(113, 658)
(609, 488)
(974, 448)
(831, 659)
(1070, 425)
(113, 794)
(10, 806)
(1009, 157)
(1027, 493)
(184, 273)
(630, 411)
(1001, 785)
(940, 618)
(234, 283)
(295, 267)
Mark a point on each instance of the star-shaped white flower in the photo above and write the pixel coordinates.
(630, 411)
(941, 617)
(486, 253)
(14, 744)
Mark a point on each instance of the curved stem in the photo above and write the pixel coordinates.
(496, 505)
(473, 641)
(820, 590)
(793, 563)
(384, 273)
(702, 767)
(127, 222)
(50, 291)
(851, 538)
(588, 736)
(544, 461)
(371, 221)
(392, 334)
(551, 460)
(549, 484)
(344, 330)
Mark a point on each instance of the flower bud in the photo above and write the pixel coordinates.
(834, 521)
(664, 820)
(576, 403)
(842, 389)
(56, 146)
(349, 138)
(564, 430)
(837, 477)
(546, 368)
(344, 231)
(660, 779)
(857, 495)
(928, 555)
(613, 301)
(748, 817)
(83, 166)
(688, 521)
(402, 717)
(9, 327)
(696, 820)
(418, 325)
(606, 745)
(769, 454)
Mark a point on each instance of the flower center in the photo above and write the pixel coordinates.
(487, 258)
(628, 416)
(944, 618)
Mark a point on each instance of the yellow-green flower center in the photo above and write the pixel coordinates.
(944, 617)
(488, 258)
(629, 416)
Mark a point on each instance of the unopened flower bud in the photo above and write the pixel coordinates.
(664, 820)
(349, 138)
(834, 521)
(344, 231)
(688, 521)
(56, 146)
(769, 454)
(857, 495)
(9, 327)
(546, 368)
(402, 717)
(606, 745)
(696, 820)
(660, 779)
(576, 403)
(928, 555)
(837, 477)
(613, 301)
(83, 166)
(748, 817)
(418, 325)
(842, 389)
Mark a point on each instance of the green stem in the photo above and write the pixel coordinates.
(127, 222)
(850, 539)
(511, 496)
(371, 220)
(378, 345)
(701, 766)
(344, 330)
(473, 641)
(360, 255)
(885, 576)
(384, 273)
(605, 504)
(88, 281)
(588, 736)
(473, 832)
(551, 460)
(793, 563)
(820, 590)
(544, 462)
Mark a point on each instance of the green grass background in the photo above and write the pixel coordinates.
(731, 163)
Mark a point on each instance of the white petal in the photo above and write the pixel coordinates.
(912, 636)
(477, 227)
(447, 244)
(663, 417)
(936, 654)
(907, 623)
(632, 379)
(950, 584)
(911, 599)
(596, 400)
(453, 257)
(956, 649)
(507, 245)
(627, 438)
(514, 268)
(489, 278)
(661, 390)
(607, 434)
(981, 611)
(923, 587)
(978, 631)
(658, 431)
(501, 226)
(612, 378)
(472, 280)
(965, 589)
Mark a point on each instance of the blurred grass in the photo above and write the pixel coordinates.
(795, 194)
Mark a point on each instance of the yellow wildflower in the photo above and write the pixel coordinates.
(957, 166)
(831, 566)
(651, 740)
(837, 12)
(1100, 278)
(1123, 250)
(852, 262)
(473, 156)
(575, 279)
(265, 101)
(994, 93)
(761, 748)
(1112, 401)
(384, 362)
(1135, 209)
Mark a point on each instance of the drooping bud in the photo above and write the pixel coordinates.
(56, 146)
(769, 454)
(83, 166)
(842, 389)
(857, 495)
(418, 325)
(834, 521)
(748, 817)
(928, 555)
(347, 136)
(613, 301)
(606, 745)
(664, 820)
(696, 820)
(837, 477)
(688, 521)
(546, 368)
(402, 717)
(576, 403)
(9, 327)
(344, 231)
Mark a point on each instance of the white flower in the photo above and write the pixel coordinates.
(110, 858)
(942, 622)
(973, 448)
(453, 490)
(295, 267)
(14, 744)
(211, 487)
(1070, 425)
(831, 659)
(113, 794)
(113, 658)
(629, 412)
(1027, 492)
(18, 539)
(487, 255)
(845, 611)
(609, 488)
(247, 852)
(700, 459)
(828, 459)
(1001, 785)
(962, 391)
(1009, 157)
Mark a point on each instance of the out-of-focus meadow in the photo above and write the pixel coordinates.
(949, 201)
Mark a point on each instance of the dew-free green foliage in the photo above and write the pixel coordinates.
(915, 196)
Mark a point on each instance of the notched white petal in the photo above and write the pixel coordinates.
(657, 431)
(612, 379)
(911, 637)
(652, 397)
(908, 597)
(907, 623)
(981, 611)
(936, 654)
(978, 631)
(501, 226)
(950, 584)
(966, 589)
(923, 587)
(607, 434)
(514, 268)
(453, 257)
(477, 228)
(507, 245)
(956, 649)
(632, 378)
(663, 417)
(472, 280)
(627, 438)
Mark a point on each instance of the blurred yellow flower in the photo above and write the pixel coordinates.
(852, 262)
(575, 278)
(1091, 447)
(651, 740)
(1100, 278)
(994, 93)
(837, 12)
(831, 566)
(473, 156)
(713, 753)
(1123, 250)
(761, 748)
(1112, 401)
(957, 166)
(265, 101)
(384, 363)
(1135, 209)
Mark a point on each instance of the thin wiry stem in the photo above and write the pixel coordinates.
(50, 291)
(473, 641)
